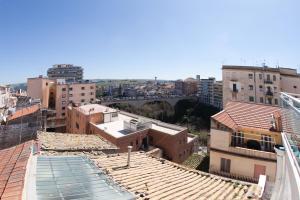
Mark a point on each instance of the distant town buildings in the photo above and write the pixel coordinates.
(125, 129)
(242, 141)
(6, 98)
(258, 84)
(68, 72)
(187, 87)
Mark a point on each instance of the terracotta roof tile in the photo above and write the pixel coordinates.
(153, 178)
(12, 171)
(24, 112)
(238, 114)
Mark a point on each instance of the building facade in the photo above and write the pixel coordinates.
(242, 141)
(258, 84)
(124, 129)
(56, 95)
(210, 92)
(68, 72)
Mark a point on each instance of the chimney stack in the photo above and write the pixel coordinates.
(128, 159)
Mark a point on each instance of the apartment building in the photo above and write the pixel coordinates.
(56, 95)
(68, 72)
(210, 92)
(125, 129)
(242, 140)
(258, 84)
(186, 87)
(218, 94)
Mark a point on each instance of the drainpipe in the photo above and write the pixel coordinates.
(128, 159)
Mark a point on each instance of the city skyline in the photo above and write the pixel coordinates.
(142, 39)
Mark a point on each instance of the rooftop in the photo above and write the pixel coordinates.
(24, 111)
(12, 170)
(71, 177)
(95, 108)
(154, 178)
(238, 114)
(121, 127)
(72, 142)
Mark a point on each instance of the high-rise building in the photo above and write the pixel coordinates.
(206, 89)
(68, 72)
(258, 84)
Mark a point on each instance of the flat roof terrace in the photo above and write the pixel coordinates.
(119, 129)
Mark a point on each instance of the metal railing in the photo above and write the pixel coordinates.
(291, 122)
(252, 143)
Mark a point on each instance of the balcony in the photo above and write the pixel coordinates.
(269, 93)
(253, 147)
(268, 82)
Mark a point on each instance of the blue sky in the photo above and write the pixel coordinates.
(169, 39)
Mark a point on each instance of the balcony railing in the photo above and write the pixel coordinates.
(268, 82)
(291, 125)
(255, 144)
(269, 93)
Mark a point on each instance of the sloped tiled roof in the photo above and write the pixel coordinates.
(238, 114)
(24, 112)
(13, 163)
(154, 178)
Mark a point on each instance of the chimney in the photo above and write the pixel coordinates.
(128, 159)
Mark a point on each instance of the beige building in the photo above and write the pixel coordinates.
(258, 84)
(242, 140)
(56, 95)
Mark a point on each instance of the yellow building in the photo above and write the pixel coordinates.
(242, 140)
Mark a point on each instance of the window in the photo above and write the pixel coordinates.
(274, 77)
(63, 102)
(136, 142)
(275, 89)
(92, 93)
(82, 88)
(77, 125)
(63, 114)
(270, 101)
(82, 94)
(261, 100)
(63, 89)
(63, 96)
(47, 84)
(92, 87)
(92, 99)
(237, 139)
(234, 87)
(250, 87)
(70, 89)
(251, 98)
(260, 76)
(70, 95)
(250, 76)
(266, 143)
(268, 77)
(114, 114)
(295, 86)
(225, 165)
(276, 101)
(82, 100)
(63, 108)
